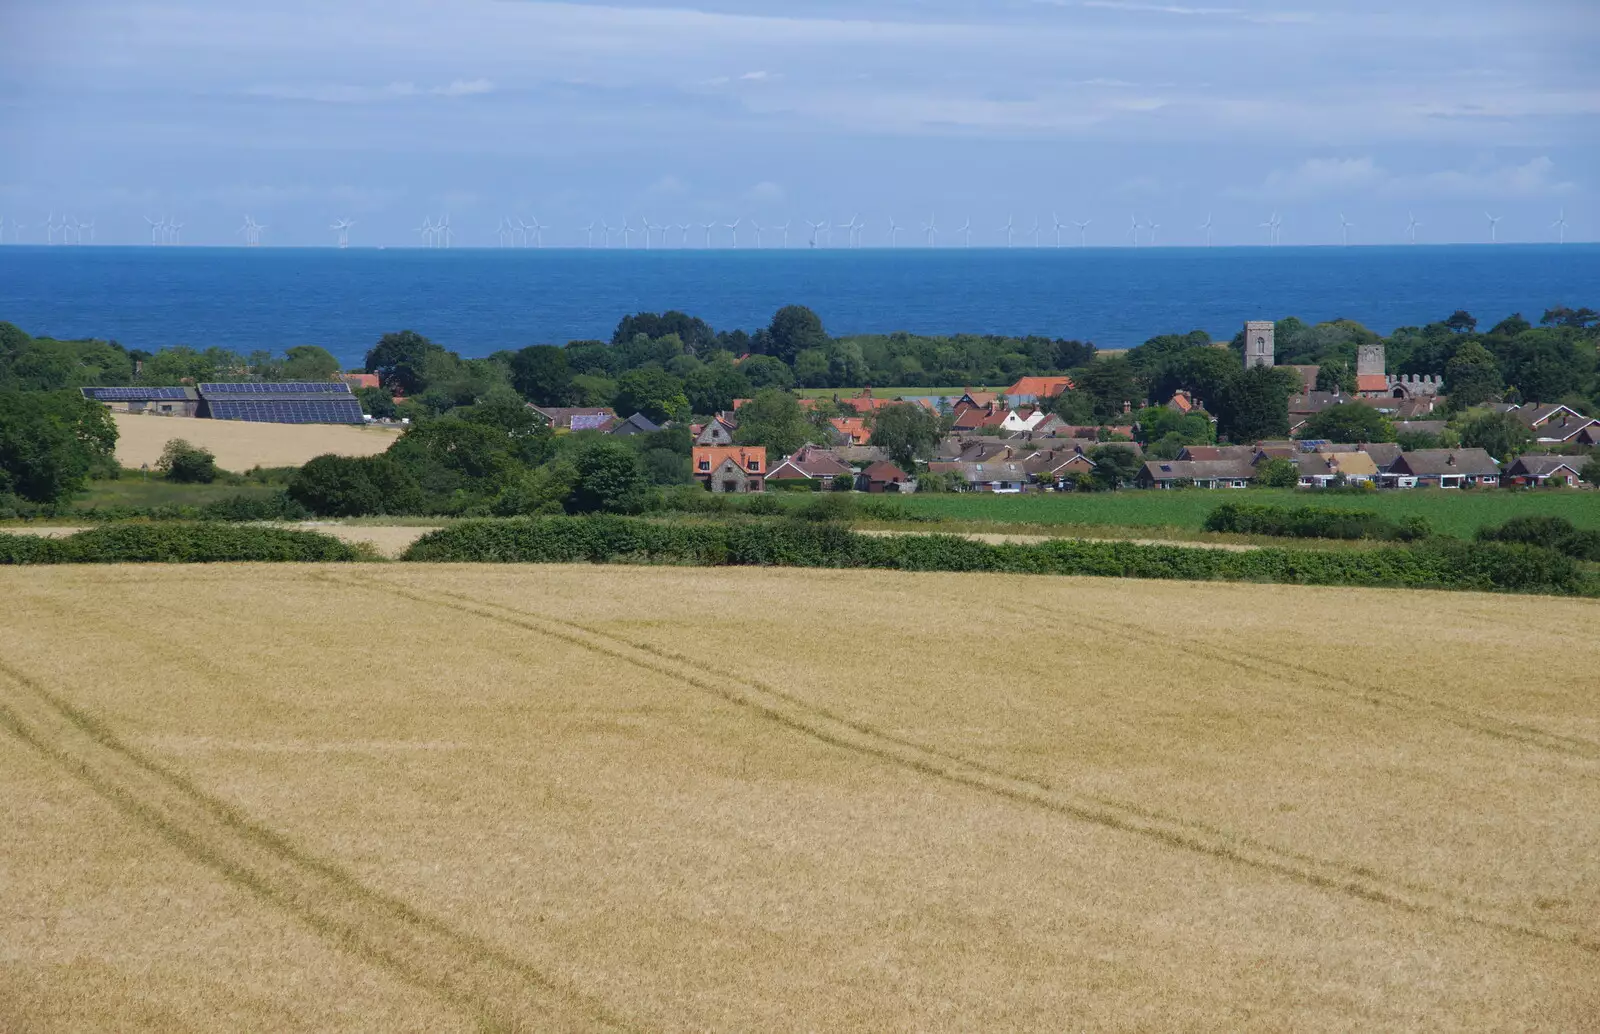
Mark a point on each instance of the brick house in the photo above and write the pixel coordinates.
(732, 468)
(1534, 469)
(811, 463)
(884, 476)
(1442, 468)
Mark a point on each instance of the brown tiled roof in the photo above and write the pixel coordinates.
(1372, 382)
(1541, 465)
(1040, 387)
(809, 462)
(883, 470)
(1165, 470)
(1433, 462)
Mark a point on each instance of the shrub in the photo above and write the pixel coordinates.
(1556, 533)
(762, 505)
(178, 543)
(188, 463)
(345, 486)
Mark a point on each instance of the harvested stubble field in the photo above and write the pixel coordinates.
(572, 798)
(241, 444)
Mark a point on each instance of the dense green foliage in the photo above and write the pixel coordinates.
(1349, 422)
(906, 432)
(1555, 533)
(50, 443)
(1443, 565)
(187, 463)
(1313, 522)
(177, 543)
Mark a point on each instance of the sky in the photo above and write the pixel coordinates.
(388, 112)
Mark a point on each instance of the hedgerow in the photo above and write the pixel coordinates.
(198, 543)
(1313, 522)
(1442, 564)
(1555, 533)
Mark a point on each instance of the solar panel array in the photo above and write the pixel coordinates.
(590, 421)
(134, 394)
(288, 411)
(279, 388)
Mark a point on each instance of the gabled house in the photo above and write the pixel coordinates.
(1212, 453)
(1230, 473)
(811, 463)
(973, 418)
(1537, 469)
(850, 430)
(1038, 389)
(1442, 468)
(1052, 466)
(1383, 453)
(1001, 478)
(736, 468)
(576, 418)
(1321, 469)
(884, 476)
(860, 455)
(718, 431)
(1554, 424)
(1021, 421)
(636, 424)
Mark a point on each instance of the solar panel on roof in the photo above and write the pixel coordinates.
(589, 422)
(288, 411)
(276, 388)
(132, 394)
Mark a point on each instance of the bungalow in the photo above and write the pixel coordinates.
(1321, 469)
(576, 418)
(1442, 468)
(1229, 473)
(1052, 466)
(860, 455)
(738, 468)
(1554, 423)
(1000, 478)
(1383, 453)
(813, 464)
(1207, 453)
(1537, 469)
(884, 476)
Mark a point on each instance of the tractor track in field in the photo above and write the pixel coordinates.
(854, 736)
(497, 990)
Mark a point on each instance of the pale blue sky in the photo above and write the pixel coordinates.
(302, 111)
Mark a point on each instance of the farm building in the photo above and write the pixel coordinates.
(292, 402)
(160, 401)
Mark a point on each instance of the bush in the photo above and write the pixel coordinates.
(1439, 564)
(187, 463)
(346, 486)
(762, 505)
(179, 544)
(1556, 533)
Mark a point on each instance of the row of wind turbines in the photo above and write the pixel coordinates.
(72, 230)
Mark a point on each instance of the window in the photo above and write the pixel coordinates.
(705, 464)
(1261, 346)
(755, 465)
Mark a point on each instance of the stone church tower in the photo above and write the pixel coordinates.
(1369, 360)
(1259, 347)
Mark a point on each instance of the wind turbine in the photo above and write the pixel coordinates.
(588, 234)
(931, 228)
(1206, 226)
(1059, 225)
(86, 226)
(894, 233)
(851, 237)
(1083, 230)
(708, 227)
(342, 226)
(605, 233)
(627, 234)
(1152, 226)
(176, 232)
(155, 230)
(966, 233)
(1007, 229)
(538, 229)
(734, 226)
(248, 229)
(1133, 229)
(1494, 221)
(1560, 226)
(784, 229)
(1344, 230)
(505, 230)
(816, 228)
(441, 228)
(648, 227)
(426, 231)
(1411, 226)
(757, 227)
(1271, 226)
(50, 228)
(683, 235)
(1034, 233)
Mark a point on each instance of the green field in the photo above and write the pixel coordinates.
(1451, 512)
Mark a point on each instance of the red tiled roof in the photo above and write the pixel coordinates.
(853, 426)
(883, 470)
(740, 454)
(1372, 382)
(1042, 387)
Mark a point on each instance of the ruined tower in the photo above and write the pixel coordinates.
(1369, 360)
(1259, 347)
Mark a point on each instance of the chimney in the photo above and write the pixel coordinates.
(1451, 460)
(1126, 406)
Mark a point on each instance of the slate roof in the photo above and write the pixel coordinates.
(1434, 462)
(1541, 465)
(1198, 470)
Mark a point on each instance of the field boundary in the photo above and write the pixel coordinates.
(499, 990)
(863, 739)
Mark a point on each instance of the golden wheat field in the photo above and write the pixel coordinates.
(241, 444)
(452, 798)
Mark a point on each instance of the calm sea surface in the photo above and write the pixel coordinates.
(478, 301)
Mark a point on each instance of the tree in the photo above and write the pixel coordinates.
(309, 363)
(1591, 470)
(402, 361)
(693, 334)
(794, 329)
(1114, 466)
(1461, 322)
(774, 419)
(1471, 376)
(651, 391)
(1159, 423)
(543, 490)
(610, 479)
(1349, 422)
(190, 464)
(906, 432)
(50, 442)
(765, 371)
(377, 403)
(1255, 404)
(1075, 407)
(456, 462)
(1501, 435)
(1112, 384)
(1277, 473)
(541, 374)
(349, 486)
(1336, 375)
(713, 387)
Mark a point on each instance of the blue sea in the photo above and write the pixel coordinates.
(479, 301)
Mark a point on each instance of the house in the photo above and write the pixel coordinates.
(1586, 436)
(1052, 466)
(980, 399)
(636, 424)
(1000, 478)
(575, 418)
(851, 430)
(1229, 473)
(811, 463)
(718, 431)
(360, 380)
(1372, 385)
(860, 455)
(173, 401)
(1442, 468)
(1038, 389)
(864, 402)
(1538, 469)
(1321, 469)
(1214, 453)
(1383, 453)
(1021, 421)
(884, 476)
(1308, 376)
(736, 468)
(974, 418)
(1554, 423)
(1432, 427)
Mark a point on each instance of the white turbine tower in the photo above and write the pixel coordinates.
(757, 228)
(50, 228)
(966, 233)
(248, 229)
(342, 228)
(784, 229)
(175, 230)
(86, 226)
(734, 226)
(588, 234)
(1411, 226)
(894, 233)
(1494, 221)
(442, 228)
(1034, 233)
(1206, 226)
(1344, 230)
(505, 230)
(425, 231)
(708, 227)
(683, 235)
(931, 228)
(1560, 226)
(1152, 226)
(851, 236)
(1008, 229)
(1083, 230)
(1133, 229)
(155, 230)
(816, 228)
(627, 234)
(1272, 226)
(1059, 226)
(605, 234)
(649, 228)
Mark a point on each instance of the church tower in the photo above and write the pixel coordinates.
(1259, 347)
(1369, 360)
